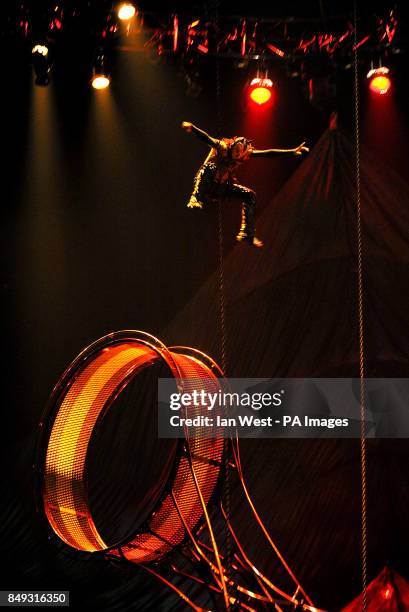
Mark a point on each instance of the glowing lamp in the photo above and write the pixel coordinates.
(40, 54)
(100, 77)
(126, 11)
(40, 49)
(100, 81)
(379, 81)
(260, 90)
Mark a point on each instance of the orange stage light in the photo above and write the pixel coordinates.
(379, 81)
(260, 91)
(100, 81)
(126, 11)
(260, 95)
(380, 85)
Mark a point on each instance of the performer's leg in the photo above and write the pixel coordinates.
(247, 228)
(201, 184)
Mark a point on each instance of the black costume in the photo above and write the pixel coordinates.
(215, 178)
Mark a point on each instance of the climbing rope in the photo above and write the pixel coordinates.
(222, 306)
(363, 450)
(222, 311)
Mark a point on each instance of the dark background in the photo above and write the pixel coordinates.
(97, 238)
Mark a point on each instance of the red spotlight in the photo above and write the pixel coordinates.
(379, 81)
(260, 90)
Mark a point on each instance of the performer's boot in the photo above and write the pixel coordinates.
(194, 203)
(254, 241)
(247, 227)
(257, 242)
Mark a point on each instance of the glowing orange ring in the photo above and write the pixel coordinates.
(83, 394)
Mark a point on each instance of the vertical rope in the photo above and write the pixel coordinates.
(222, 308)
(363, 450)
(222, 304)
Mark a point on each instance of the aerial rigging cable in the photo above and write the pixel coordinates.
(222, 307)
(363, 450)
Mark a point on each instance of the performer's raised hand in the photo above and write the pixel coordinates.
(301, 149)
(187, 126)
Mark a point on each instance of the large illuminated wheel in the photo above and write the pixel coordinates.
(83, 395)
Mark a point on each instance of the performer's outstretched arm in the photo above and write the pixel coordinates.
(189, 127)
(273, 152)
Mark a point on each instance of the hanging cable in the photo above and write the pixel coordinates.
(363, 450)
(222, 306)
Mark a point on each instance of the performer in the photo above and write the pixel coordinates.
(215, 179)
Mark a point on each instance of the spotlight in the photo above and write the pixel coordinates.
(126, 11)
(40, 54)
(100, 81)
(40, 49)
(100, 77)
(379, 81)
(260, 90)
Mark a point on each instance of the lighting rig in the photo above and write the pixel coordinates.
(304, 48)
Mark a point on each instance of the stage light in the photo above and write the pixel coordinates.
(379, 81)
(100, 77)
(41, 63)
(126, 11)
(100, 82)
(260, 90)
(41, 49)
